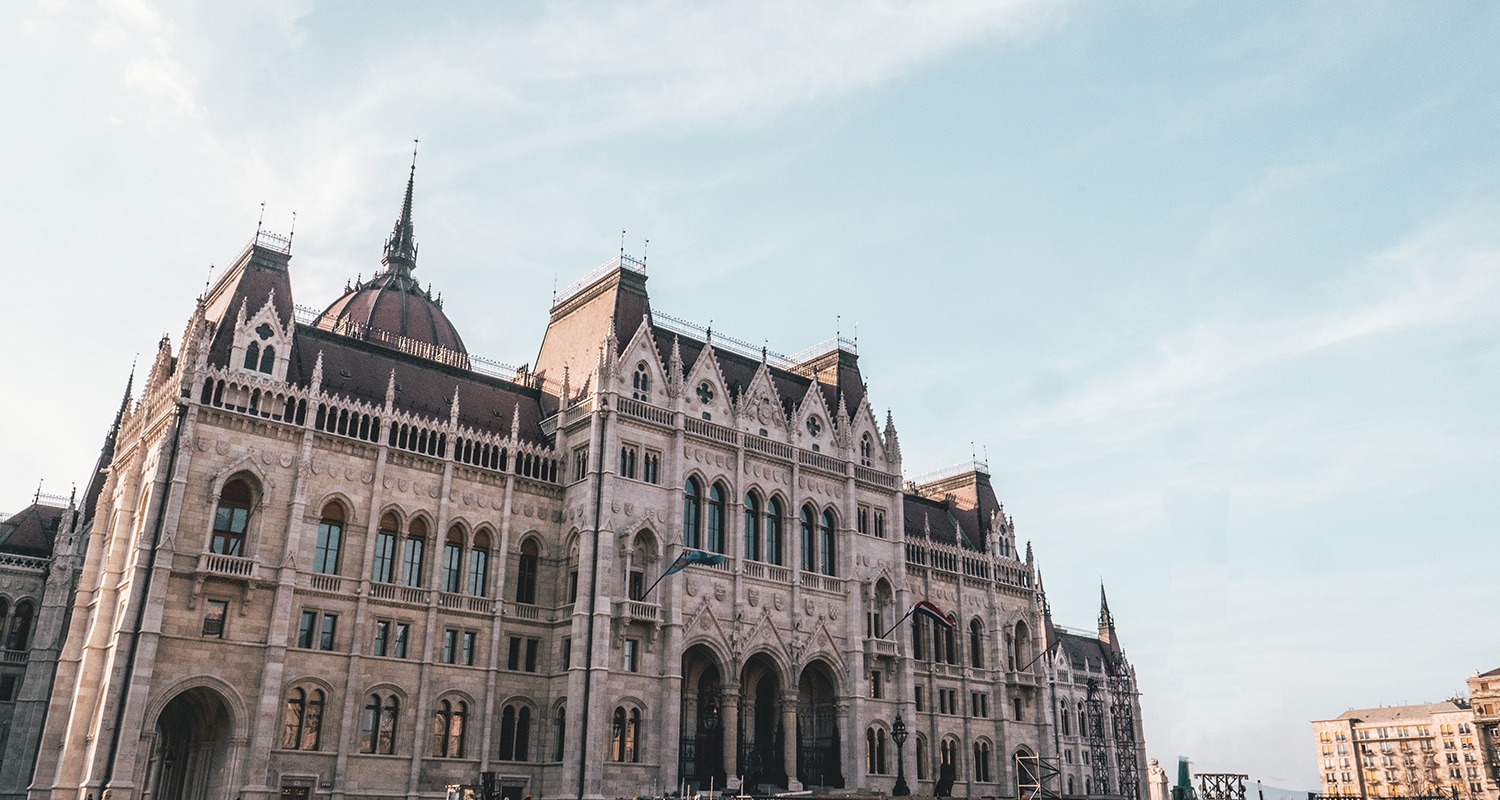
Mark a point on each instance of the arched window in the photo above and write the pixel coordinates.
(982, 761)
(20, 627)
(773, 531)
(692, 512)
(625, 735)
(976, 643)
(875, 750)
(921, 758)
(752, 550)
(1067, 719)
(252, 356)
(640, 383)
(866, 449)
(230, 519)
(268, 360)
(411, 558)
(526, 572)
(479, 564)
(1083, 722)
(385, 549)
(809, 534)
(303, 721)
(449, 719)
(715, 528)
(825, 543)
(1070, 784)
(1023, 646)
(453, 560)
(378, 725)
(560, 731)
(330, 540)
(515, 733)
(950, 643)
(948, 754)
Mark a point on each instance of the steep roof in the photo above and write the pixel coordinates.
(1085, 652)
(32, 530)
(1400, 713)
(939, 510)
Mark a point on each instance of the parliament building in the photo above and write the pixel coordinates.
(328, 554)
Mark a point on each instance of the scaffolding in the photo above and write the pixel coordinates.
(1122, 700)
(1098, 749)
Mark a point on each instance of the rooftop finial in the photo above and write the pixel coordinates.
(262, 219)
(401, 248)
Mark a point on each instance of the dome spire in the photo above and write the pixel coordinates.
(401, 247)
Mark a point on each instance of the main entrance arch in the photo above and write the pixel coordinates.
(700, 751)
(762, 733)
(818, 742)
(191, 756)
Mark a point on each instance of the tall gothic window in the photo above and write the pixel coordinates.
(715, 528)
(268, 360)
(825, 543)
(866, 449)
(976, 643)
(809, 561)
(479, 564)
(453, 560)
(773, 531)
(875, 751)
(303, 720)
(252, 356)
(412, 556)
(385, 549)
(330, 540)
(230, 519)
(752, 551)
(515, 733)
(560, 731)
(448, 722)
(692, 513)
(378, 724)
(625, 735)
(526, 572)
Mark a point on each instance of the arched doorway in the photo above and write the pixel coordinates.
(700, 752)
(818, 744)
(762, 734)
(191, 756)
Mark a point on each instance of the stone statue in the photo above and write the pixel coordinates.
(1156, 778)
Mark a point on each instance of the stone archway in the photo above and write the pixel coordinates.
(700, 751)
(819, 747)
(191, 758)
(762, 731)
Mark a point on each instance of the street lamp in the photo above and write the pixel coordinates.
(898, 735)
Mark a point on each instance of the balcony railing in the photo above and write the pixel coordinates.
(637, 611)
(227, 566)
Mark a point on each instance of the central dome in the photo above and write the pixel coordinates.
(393, 302)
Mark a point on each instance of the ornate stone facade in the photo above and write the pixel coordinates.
(337, 556)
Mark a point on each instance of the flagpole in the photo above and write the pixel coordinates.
(908, 613)
(647, 593)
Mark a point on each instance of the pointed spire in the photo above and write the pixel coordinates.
(401, 247)
(1029, 559)
(515, 422)
(453, 411)
(317, 374)
(1106, 621)
(390, 392)
(567, 389)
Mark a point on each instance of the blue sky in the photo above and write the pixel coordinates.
(1216, 288)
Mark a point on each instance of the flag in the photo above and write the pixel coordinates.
(691, 557)
(932, 611)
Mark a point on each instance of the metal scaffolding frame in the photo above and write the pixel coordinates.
(1122, 700)
(1098, 749)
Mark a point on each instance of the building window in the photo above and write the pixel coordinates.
(580, 463)
(513, 660)
(875, 751)
(411, 560)
(715, 528)
(303, 720)
(692, 513)
(640, 382)
(448, 723)
(921, 758)
(513, 654)
(385, 550)
(625, 735)
(453, 561)
(862, 519)
(213, 623)
(378, 724)
(8, 688)
(560, 729)
(866, 449)
(919, 696)
(268, 360)
(635, 587)
(752, 551)
(329, 630)
(317, 630)
(879, 524)
(982, 762)
(976, 643)
(330, 538)
(979, 703)
(825, 543)
(632, 647)
(382, 638)
(306, 629)
(629, 455)
(450, 646)
(877, 690)
(515, 733)
(1066, 718)
(773, 531)
(650, 467)
(565, 653)
(398, 648)
(1016, 705)
(532, 646)
(526, 572)
(479, 564)
(252, 356)
(230, 519)
(809, 534)
(466, 649)
(919, 638)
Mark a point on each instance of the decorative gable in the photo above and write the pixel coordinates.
(261, 344)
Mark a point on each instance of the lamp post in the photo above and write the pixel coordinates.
(898, 735)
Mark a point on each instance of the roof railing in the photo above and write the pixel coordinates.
(620, 261)
(952, 471)
(350, 329)
(741, 347)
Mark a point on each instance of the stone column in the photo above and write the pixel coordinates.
(729, 717)
(789, 742)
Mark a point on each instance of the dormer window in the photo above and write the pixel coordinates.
(814, 426)
(267, 359)
(866, 450)
(640, 383)
(252, 356)
(264, 331)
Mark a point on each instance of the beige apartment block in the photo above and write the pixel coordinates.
(334, 555)
(1404, 751)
